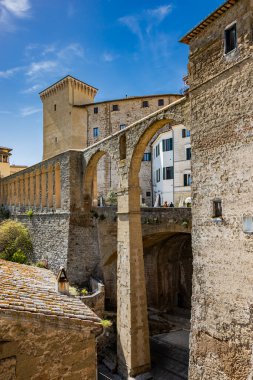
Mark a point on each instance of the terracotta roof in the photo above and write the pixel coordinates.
(212, 17)
(25, 288)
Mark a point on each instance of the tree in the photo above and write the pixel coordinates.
(15, 242)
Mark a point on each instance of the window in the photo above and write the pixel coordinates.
(168, 172)
(157, 150)
(167, 145)
(95, 132)
(186, 133)
(160, 102)
(158, 175)
(146, 157)
(188, 153)
(115, 107)
(55, 107)
(145, 104)
(95, 109)
(217, 209)
(122, 126)
(55, 140)
(247, 224)
(148, 194)
(187, 180)
(230, 38)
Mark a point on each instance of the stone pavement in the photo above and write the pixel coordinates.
(169, 355)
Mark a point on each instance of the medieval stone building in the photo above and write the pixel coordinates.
(218, 111)
(72, 120)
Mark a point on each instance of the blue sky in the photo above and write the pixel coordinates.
(120, 47)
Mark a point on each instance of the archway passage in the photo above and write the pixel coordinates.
(168, 275)
(168, 272)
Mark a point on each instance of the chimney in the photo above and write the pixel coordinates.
(62, 282)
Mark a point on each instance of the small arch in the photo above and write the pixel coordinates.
(122, 147)
(90, 181)
(57, 186)
(100, 177)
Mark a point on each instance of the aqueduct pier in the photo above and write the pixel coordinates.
(61, 191)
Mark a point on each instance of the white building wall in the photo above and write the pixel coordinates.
(172, 190)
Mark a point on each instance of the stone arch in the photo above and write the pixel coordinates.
(57, 179)
(143, 141)
(90, 178)
(133, 333)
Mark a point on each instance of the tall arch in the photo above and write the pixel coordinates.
(132, 319)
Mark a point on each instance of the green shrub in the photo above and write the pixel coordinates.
(29, 213)
(14, 239)
(106, 323)
(19, 257)
(84, 292)
(42, 264)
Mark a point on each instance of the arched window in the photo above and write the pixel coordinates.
(122, 147)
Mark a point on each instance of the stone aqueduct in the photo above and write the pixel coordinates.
(61, 191)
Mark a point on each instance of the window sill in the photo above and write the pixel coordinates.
(248, 232)
(217, 219)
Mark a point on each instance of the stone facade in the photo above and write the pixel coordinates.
(71, 120)
(64, 125)
(221, 132)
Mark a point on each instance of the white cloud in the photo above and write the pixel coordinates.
(38, 68)
(19, 8)
(28, 111)
(71, 11)
(141, 24)
(10, 72)
(109, 57)
(159, 13)
(11, 9)
(132, 22)
(73, 49)
(32, 89)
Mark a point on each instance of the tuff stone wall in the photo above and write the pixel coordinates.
(50, 237)
(37, 349)
(222, 144)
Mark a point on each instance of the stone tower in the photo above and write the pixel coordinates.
(221, 82)
(64, 117)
